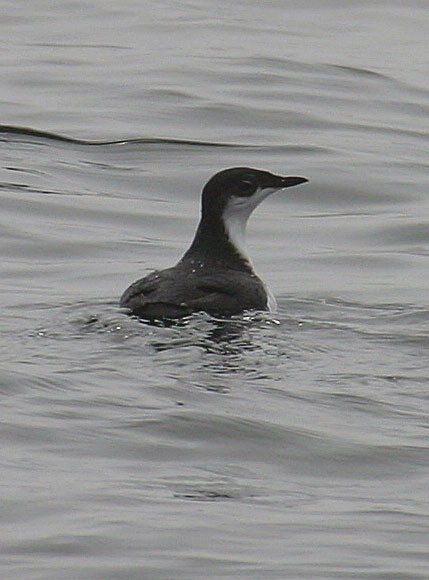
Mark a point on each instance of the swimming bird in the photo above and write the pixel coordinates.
(215, 275)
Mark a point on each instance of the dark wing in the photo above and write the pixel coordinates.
(176, 292)
(155, 297)
(227, 293)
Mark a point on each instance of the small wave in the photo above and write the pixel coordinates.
(27, 132)
(7, 132)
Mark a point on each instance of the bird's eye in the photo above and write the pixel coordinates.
(246, 187)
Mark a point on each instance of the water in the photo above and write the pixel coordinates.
(292, 446)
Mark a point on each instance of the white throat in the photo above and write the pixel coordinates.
(236, 215)
(235, 226)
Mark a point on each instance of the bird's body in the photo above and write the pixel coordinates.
(183, 289)
(215, 275)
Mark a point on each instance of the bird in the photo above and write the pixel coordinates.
(215, 275)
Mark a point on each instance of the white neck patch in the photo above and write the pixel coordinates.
(236, 216)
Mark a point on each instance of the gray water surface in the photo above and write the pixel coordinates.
(265, 447)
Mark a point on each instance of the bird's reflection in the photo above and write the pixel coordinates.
(229, 336)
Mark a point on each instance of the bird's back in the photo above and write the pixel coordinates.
(182, 289)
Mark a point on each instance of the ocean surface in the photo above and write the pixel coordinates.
(289, 446)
